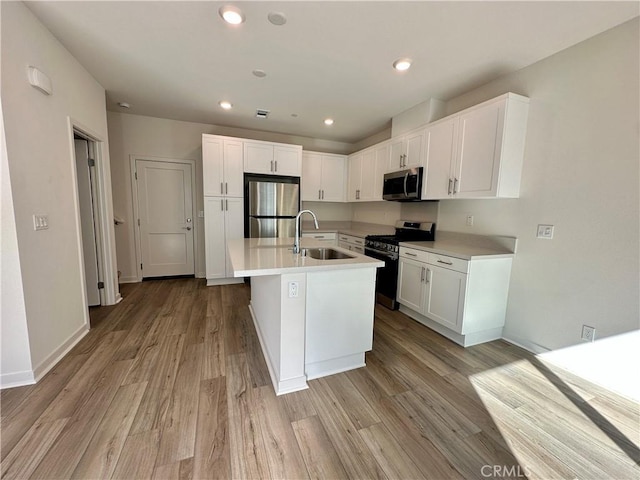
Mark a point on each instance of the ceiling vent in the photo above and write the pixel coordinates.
(260, 113)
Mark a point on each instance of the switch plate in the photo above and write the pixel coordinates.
(545, 231)
(293, 289)
(469, 220)
(588, 333)
(40, 222)
(200, 213)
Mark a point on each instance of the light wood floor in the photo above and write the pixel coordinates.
(171, 383)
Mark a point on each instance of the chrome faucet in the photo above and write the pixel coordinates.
(296, 243)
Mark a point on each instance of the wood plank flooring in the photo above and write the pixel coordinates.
(171, 383)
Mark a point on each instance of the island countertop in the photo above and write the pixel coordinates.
(251, 257)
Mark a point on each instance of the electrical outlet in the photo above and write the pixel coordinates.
(40, 222)
(293, 289)
(545, 231)
(588, 333)
(469, 220)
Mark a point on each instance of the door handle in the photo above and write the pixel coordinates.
(187, 228)
(226, 204)
(272, 165)
(322, 194)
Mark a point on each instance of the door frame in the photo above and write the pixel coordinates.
(136, 209)
(103, 210)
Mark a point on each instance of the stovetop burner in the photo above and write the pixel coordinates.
(406, 231)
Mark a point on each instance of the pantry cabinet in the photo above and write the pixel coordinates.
(481, 148)
(223, 220)
(222, 166)
(464, 300)
(272, 158)
(324, 177)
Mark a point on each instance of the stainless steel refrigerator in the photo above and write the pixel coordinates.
(271, 206)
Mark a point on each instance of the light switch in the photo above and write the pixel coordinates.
(40, 222)
(545, 231)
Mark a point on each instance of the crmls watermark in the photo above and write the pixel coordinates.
(501, 471)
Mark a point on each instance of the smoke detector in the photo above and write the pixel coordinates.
(261, 113)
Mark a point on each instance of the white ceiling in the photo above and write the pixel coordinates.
(177, 59)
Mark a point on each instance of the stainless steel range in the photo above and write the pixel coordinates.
(385, 248)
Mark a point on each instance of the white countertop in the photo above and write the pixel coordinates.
(251, 257)
(458, 250)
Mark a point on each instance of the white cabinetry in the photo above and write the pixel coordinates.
(222, 164)
(366, 170)
(464, 300)
(407, 150)
(326, 238)
(324, 177)
(482, 148)
(350, 242)
(272, 158)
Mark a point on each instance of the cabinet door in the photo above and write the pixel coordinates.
(396, 154)
(439, 158)
(445, 296)
(212, 166)
(411, 287)
(414, 149)
(333, 178)
(368, 176)
(382, 162)
(214, 235)
(355, 168)
(287, 160)
(478, 155)
(233, 169)
(310, 181)
(258, 158)
(234, 226)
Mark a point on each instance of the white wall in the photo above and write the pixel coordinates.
(41, 166)
(581, 175)
(156, 137)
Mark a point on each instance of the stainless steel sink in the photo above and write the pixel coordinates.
(325, 254)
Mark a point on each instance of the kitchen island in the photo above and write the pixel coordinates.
(313, 317)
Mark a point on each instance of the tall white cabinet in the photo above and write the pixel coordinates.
(222, 168)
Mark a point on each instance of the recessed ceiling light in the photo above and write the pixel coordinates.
(328, 121)
(231, 14)
(402, 64)
(226, 105)
(259, 73)
(124, 105)
(277, 18)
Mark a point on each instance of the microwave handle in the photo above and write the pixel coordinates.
(406, 177)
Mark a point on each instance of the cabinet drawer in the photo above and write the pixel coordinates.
(452, 263)
(351, 239)
(321, 236)
(419, 255)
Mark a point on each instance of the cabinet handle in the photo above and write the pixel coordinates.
(455, 185)
(422, 275)
(221, 188)
(449, 189)
(322, 194)
(271, 166)
(446, 263)
(427, 274)
(227, 204)
(226, 187)
(276, 162)
(319, 194)
(357, 194)
(222, 205)
(404, 159)
(411, 254)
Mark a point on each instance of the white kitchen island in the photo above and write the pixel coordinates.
(313, 317)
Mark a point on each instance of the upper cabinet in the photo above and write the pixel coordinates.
(366, 169)
(222, 166)
(482, 149)
(324, 177)
(272, 158)
(407, 151)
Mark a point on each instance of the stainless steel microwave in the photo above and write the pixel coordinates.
(403, 186)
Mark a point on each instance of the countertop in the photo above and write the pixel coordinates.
(252, 257)
(356, 229)
(466, 246)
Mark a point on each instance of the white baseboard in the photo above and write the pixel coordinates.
(128, 280)
(48, 363)
(527, 345)
(223, 281)
(16, 379)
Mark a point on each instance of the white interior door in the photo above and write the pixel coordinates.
(165, 209)
(85, 200)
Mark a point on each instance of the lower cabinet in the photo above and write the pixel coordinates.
(223, 220)
(350, 242)
(464, 300)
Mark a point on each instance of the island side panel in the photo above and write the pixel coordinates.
(340, 311)
(279, 322)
